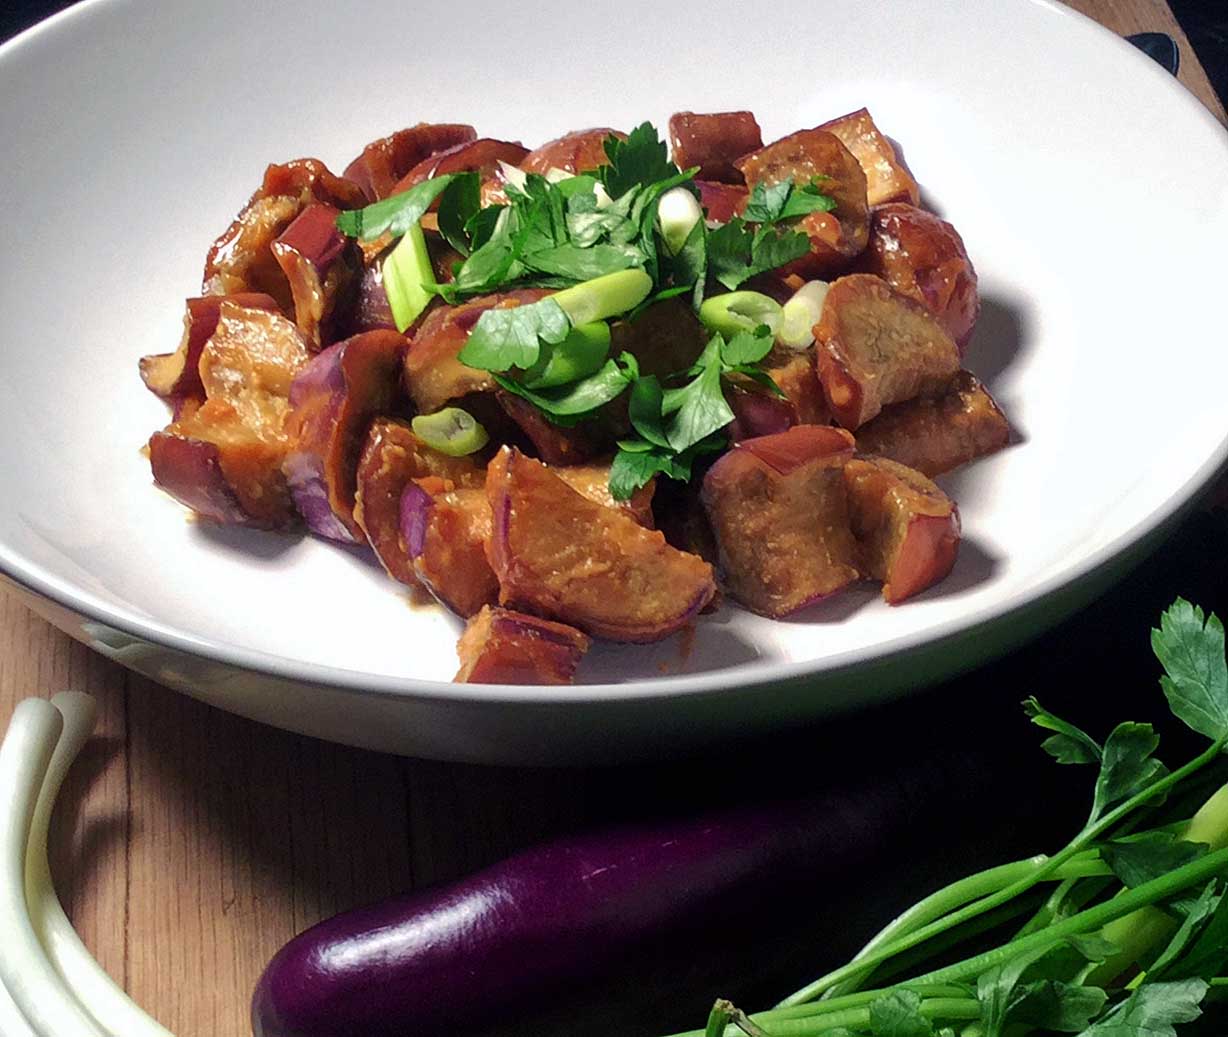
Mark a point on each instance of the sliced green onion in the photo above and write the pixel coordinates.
(801, 313)
(677, 214)
(100, 995)
(734, 312)
(406, 270)
(581, 353)
(604, 297)
(451, 431)
(33, 983)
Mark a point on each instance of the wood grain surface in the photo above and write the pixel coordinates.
(190, 844)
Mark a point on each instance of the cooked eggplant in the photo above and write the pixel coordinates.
(561, 555)
(936, 434)
(504, 647)
(778, 507)
(907, 529)
(713, 142)
(876, 347)
(835, 237)
(886, 178)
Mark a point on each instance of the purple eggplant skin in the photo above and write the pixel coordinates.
(540, 922)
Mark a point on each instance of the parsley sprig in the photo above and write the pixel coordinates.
(1132, 938)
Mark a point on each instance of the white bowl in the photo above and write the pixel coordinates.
(1090, 188)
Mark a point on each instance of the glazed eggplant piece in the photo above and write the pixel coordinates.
(575, 152)
(333, 400)
(481, 156)
(384, 161)
(175, 377)
(836, 237)
(778, 507)
(907, 529)
(552, 443)
(886, 178)
(242, 259)
(433, 375)
(223, 457)
(445, 535)
(504, 647)
(875, 347)
(937, 434)
(721, 202)
(560, 555)
(795, 376)
(665, 338)
(756, 412)
(322, 267)
(924, 257)
(713, 142)
(392, 457)
(593, 481)
(445, 527)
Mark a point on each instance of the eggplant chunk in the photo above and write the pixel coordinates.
(504, 647)
(560, 555)
(838, 236)
(795, 376)
(242, 259)
(333, 400)
(176, 376)
(937, 434)
(906, 527)
(446, 536)
(391, 458)
(575, 152)
(886, 178)
(713, 141)
(924, 257)
(593, 481)
(433, 375)
(721, 202)
(875, 346)
(223, 457)
(480, 156)
(552, 443)
(322, 267)
(778, 507)
(383, 162)
(665, 338)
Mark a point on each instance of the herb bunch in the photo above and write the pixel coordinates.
(578, 232)
(1132, 938)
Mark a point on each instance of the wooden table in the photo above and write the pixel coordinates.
(190, 844)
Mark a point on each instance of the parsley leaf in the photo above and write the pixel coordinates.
(1190, 647)
(504, 338)
(639, 160)
(1136, 861)
(746, 348)
(576, 399)
(1199, 912)
(700, 405)
(397, 214)
(1070, 744)
(898, 1014)
(735, 254)
(1127, 766)
(1152, 1010)
(644, 410)
(458, 205)
(583, 264)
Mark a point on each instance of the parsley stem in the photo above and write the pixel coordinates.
(943, 1001)
(956, 895)
(1206, 867)
(1081, 842)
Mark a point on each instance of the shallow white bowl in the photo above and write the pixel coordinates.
(1090, 188)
